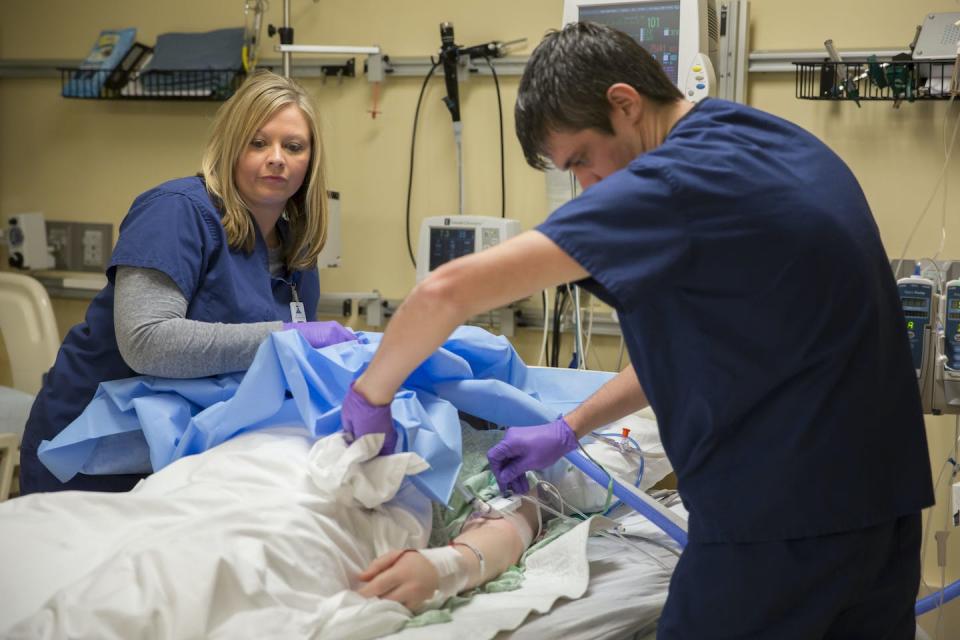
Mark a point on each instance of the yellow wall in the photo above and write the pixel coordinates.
(86, 160)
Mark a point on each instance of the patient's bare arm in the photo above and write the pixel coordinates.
(411, 579)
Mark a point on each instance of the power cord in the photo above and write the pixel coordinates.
(503, 173)
(936, 186)
(546, 321)
(413, 146)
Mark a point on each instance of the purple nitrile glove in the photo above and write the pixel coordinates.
(361, 418)
(321, 334)
(527, 448)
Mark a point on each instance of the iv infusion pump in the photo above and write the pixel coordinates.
(951, 326)
(916, 298)
(933, 330)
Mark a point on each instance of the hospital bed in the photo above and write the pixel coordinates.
(262, 529)
(626, 594)
(225, 544)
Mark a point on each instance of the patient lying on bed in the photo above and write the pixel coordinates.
(268, 534)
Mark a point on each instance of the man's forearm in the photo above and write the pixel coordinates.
(619, 397)
(457, 290)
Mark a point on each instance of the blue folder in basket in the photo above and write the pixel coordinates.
(111, 46)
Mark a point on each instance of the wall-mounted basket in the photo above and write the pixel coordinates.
(874, 80)
(155, 84)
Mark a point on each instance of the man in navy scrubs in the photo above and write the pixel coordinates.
(763, 326)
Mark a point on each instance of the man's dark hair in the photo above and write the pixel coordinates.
(564, 86)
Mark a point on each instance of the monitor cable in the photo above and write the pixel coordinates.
(503, 174)
(413, 146)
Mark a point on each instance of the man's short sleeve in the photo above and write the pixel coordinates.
(627, 231)
(166, 231)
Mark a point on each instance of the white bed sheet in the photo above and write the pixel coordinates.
(236, 543)
(626, 593)
(173, 559)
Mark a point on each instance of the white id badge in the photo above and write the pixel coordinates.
(297, 312)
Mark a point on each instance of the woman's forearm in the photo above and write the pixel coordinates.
(155, 338)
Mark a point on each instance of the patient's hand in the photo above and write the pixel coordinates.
(401, 575)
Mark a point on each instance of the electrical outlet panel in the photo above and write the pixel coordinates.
(92, 243)
(80, 246)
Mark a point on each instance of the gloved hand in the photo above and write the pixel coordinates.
(360, 418)
(321, 334)
(527, 448)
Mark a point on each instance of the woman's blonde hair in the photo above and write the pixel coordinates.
(236, 122)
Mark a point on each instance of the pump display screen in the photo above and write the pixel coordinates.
(914, 302)
(655, 25)
(447, 243)
(955, 304)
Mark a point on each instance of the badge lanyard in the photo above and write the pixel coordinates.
(297, 312)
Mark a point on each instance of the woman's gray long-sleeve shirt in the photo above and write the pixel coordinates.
(156, 338)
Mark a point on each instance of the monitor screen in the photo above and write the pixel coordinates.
(655, 25)
(447, 243)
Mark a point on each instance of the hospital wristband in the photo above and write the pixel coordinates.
(476, 552)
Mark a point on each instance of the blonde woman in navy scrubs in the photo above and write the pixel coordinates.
(204, 269)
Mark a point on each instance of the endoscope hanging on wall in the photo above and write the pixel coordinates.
(449, 58)
(451, 54)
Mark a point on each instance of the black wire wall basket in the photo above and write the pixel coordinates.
(871, 79)
(153, 84)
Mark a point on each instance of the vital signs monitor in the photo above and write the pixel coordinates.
(443, 238)
(683, 35)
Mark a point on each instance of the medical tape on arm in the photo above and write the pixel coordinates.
(516, 520)
(524, 530)
(451, 569)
